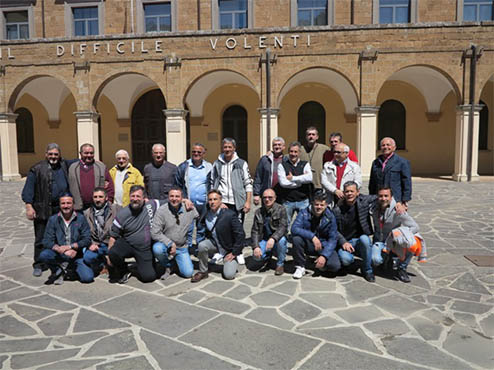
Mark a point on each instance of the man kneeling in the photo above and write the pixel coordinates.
(171, 226)
(66, 235)
(269, 229)
(224, 234)
(314, 233)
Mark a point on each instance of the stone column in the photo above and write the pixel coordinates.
(273, 132)
(8, 148)
(461, 143)
(366, 137)
(176, 135)
(87, 130)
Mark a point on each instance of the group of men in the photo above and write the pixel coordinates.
(87, 218)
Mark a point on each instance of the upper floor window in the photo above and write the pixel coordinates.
(312, 12)
(17, 25)
(478, 10)
(394, 11)
(158, 17)
(233, 14)
(85, 21)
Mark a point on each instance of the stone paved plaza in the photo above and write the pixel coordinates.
(444, 319)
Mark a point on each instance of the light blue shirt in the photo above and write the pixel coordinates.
(198, 185)
(210, 222)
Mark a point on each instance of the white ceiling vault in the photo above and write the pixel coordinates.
(327, 77)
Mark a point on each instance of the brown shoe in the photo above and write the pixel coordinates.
(279, 270)
(198, 276)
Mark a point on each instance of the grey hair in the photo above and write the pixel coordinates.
(389, 138)
(279, 138)
(122, 151)
(346, 148)
(158, 145)
(229, 140)
(295, 143)
(199, 144)
(52, 146)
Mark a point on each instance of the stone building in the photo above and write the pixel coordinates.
(124, 74)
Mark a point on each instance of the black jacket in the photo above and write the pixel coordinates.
(363, 204)
(229, 230)
(278, 223)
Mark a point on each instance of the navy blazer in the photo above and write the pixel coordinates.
(396, 175)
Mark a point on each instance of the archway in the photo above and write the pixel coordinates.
(234, 124)
(311, 114)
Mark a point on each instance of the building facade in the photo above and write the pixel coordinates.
(125, 74)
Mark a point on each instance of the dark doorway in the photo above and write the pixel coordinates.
(391, 122)
(235, 126)
(310, 114)
(148, 126)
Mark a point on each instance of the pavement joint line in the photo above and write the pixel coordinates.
(309, 355)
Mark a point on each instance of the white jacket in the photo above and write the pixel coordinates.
(351, 173)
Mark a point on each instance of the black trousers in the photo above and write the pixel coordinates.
(302, 246)
(39, 233)
(144, 259)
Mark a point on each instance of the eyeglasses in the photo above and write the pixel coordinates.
(196, 152)
(338, 152)
(177, 219)
(269, 198)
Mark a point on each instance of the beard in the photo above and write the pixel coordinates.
(136, 207)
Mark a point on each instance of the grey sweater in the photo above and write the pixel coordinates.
(165, 228)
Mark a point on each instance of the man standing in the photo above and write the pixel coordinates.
(266, 176)
(124, 175)
(339, 171)
(193, 177)
(224, 234)
(170, 228)
(231, 177)
(67, 234)
(85, 175)
(387, 221)
(159, 175)
(314, 233)
(313, 152)
(391, 170)
(46, 182)
(130, 236)
(354, 228)
(269, 231)
(295, 177)
(336, 138)
(100, 218)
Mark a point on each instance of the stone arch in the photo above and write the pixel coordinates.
(326, 76)
(432, 82)
(36, 86)
(200, 88)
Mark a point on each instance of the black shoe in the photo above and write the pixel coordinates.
(124, 279)
(402, 275)
(369, 277)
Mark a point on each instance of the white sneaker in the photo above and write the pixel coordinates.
(217, 259)
(299, 272)
(241, 259)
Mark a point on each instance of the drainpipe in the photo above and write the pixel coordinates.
(268, 97)
(473, 71)
(43, 17)
(132, 16)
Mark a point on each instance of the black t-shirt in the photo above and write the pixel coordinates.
(350, 223)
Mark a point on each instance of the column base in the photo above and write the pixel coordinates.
(464, 178)
(6, 178)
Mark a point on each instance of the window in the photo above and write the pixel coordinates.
(311, 113)
(24, 129)
(478, 10)
(85, 21)
(158, 17)
(391, 122)
(483, 127)
(312, 12)
(17, 25)
(235, 126)
(394, 11)
(84, 18)
(16, 22)
(232, 14)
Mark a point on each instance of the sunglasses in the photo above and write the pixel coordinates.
(269, 198)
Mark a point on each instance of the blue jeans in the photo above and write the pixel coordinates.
(295, 206)
(53, 260)
(182, 257)
(95, 260)
(363, 249)
(377, 258)
(279, 249)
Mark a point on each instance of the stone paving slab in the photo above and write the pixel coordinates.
(443, 319)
